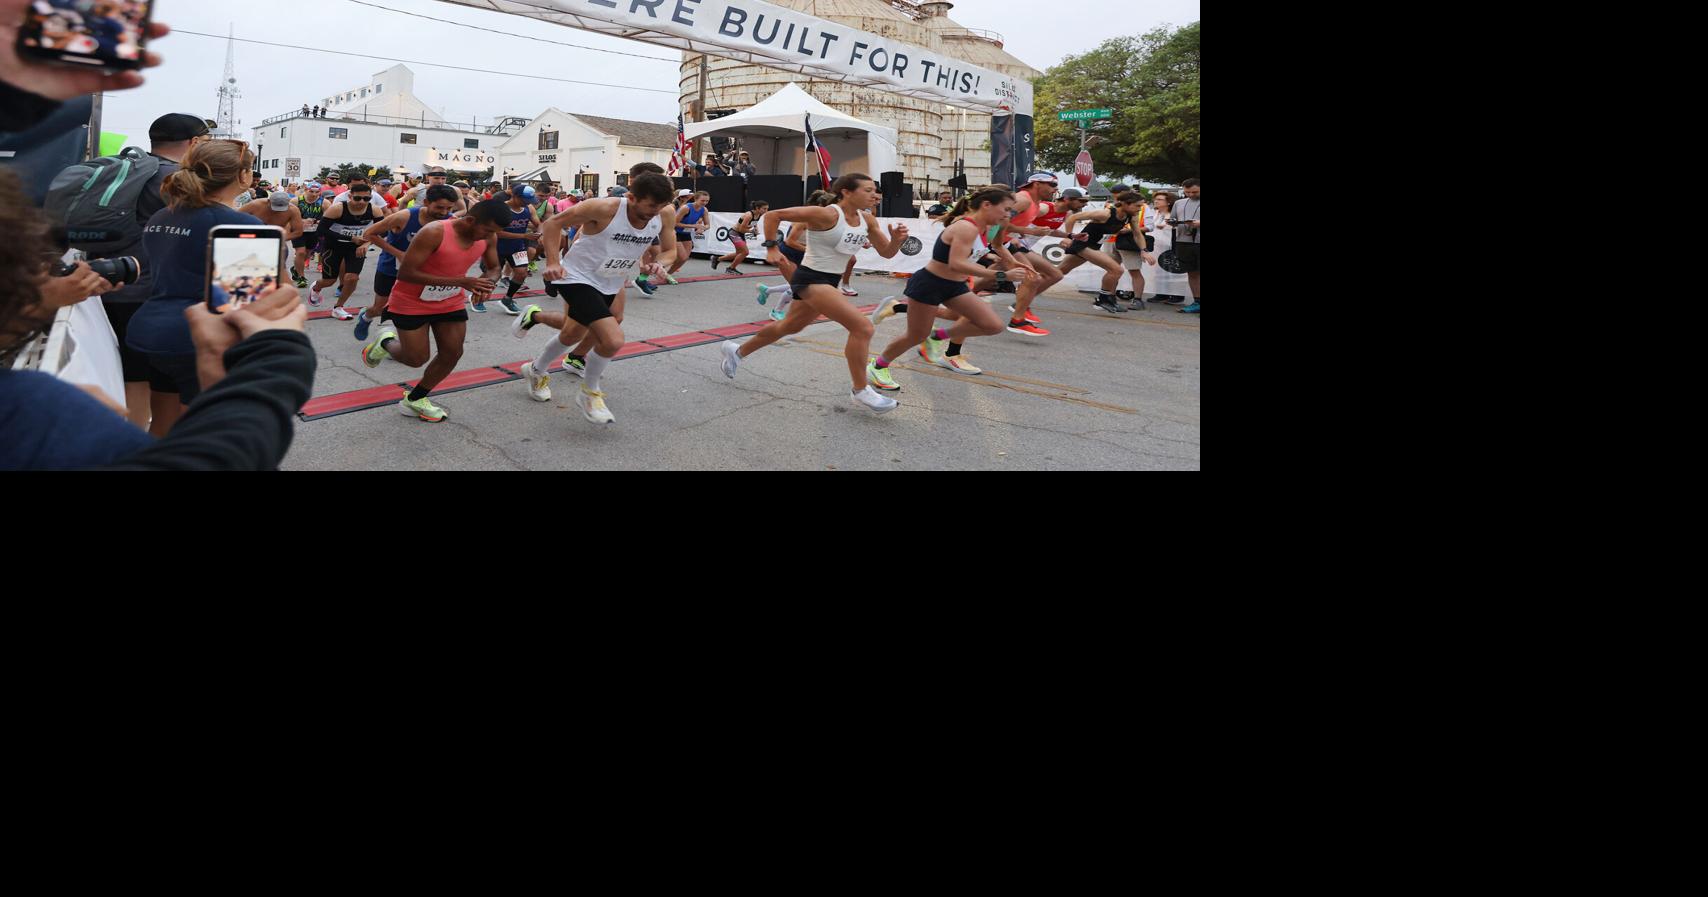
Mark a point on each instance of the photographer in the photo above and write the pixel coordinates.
(243, 420)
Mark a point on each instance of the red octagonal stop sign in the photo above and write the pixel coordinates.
(1082, 168)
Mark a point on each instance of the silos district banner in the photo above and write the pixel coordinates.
(757, 32)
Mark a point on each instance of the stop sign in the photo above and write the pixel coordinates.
(1082, 168)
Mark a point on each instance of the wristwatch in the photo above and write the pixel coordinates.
(1002, 277)
(769, 243)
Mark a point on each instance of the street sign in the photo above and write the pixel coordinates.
(1084, 114)
(1082, 168)
(293, 168)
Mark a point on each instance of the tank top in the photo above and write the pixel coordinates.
(520, 220)
(1100, 229)
(311, 210)
(388, 262)
(940, 251)
(605, 260)
(348, 228)
(692, 216)
(825, 248)
(449, 260)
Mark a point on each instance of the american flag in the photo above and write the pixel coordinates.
(679, 156)
(813, 146)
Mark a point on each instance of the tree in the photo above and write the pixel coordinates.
(347, 170)
(1150, 83)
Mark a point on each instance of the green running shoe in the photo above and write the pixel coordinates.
(934, 349)
(880, 377)
(374, 352)
(422, 408)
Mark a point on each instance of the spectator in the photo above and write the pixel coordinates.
(713, 167)
(305, 110)
(199, 197)
(1186, 238)
(945, 201)
(744, 166)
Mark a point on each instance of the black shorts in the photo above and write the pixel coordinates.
(685, 236)
(929, 289)
(173, 374)
(794, 255)
(1187, 253)
(345, 255)
(1075, 247)
(134, 362)
(383, 283)
(307, 240)
(1017, 249)
(416, 322)
(806, 277)
(586, 303)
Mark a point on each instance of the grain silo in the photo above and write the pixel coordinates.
(966, 134)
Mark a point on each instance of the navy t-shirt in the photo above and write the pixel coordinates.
(52, 425)
(177, 245)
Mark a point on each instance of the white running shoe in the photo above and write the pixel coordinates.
(314, 298)
(732, 358)
(870, 398)
(519, 327)
(884, 310)
(339, 312)
(848, 292)
(539, 385)
(593, 407)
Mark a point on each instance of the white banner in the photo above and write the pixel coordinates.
(758, 32)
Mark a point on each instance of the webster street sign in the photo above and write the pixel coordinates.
(1084, 114)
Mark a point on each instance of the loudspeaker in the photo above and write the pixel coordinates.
(898, 197)
(782, 191)
(727, 193)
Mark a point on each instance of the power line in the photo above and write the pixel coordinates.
(459, 68)
(543, 40)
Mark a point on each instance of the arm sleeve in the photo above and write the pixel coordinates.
(245, 421)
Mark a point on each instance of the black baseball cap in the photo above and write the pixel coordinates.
(177, 126)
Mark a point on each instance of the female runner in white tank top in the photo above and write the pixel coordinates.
(834, 235)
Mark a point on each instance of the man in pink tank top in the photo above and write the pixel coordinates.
(429, 295)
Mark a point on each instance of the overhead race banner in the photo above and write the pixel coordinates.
(763, 34)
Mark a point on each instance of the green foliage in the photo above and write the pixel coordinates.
(1151, 83)
(347, 170)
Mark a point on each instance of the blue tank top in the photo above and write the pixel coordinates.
(519, 224)
(388, 262)
(692, 216)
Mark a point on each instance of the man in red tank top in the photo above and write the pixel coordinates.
(429, 295)
(1029, 202)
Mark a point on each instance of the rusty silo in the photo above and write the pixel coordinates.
(965, 132)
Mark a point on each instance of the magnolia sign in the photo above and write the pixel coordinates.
(467, 158)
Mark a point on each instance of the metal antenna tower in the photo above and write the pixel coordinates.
(228, 92)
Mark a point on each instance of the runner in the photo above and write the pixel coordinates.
(738, 236)
(690, 221)
(393, 235)
(832, 236)
(793, 250)
(1104, 222)
(429, 296)
(614, 235)
(436, 178)
(1027, 204)
(943, 282)
(381, 204)
(343, 252)
(278, 209)
(522, 231)
(310, 208)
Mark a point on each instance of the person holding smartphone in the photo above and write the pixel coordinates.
(198, 198)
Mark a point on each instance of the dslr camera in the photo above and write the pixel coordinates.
(117, 271)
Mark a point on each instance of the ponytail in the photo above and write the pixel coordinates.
(208, 169)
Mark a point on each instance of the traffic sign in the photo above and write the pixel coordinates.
(293, 168)
(1082, 168)
(1084, 114)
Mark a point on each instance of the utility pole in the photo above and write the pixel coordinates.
(700, 114)
(94, 150)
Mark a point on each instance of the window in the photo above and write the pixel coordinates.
(548, 140)
(281, 132)
(378, 88)
(364, 91)
(338, 133)
(407, 138)
(471, 143)
(587, 183)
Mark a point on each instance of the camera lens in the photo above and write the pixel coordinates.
(121, 270)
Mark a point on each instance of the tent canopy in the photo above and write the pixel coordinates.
(783, 114)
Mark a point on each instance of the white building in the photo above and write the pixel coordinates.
(380, 123)
(583, 151)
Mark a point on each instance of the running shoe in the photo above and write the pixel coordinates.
(880, 377)
(422, 408)
(534, 267)
(778, 314)
(509, 305)
(1107, 303)
(374, 353)
(539, 387)
(362, 325)
(519, 327)
(593, 407)
(341, 313)
(314, 298)
(671, 279)
(574, 365)
(1030, 318)
(872, 400)
(732, 358)
(1190, 309)
(959, 364)
(884, 310)
(300, 282)
(848, 292)
(479, 306)
(1175, 301)
(731, 272)
(1138, 304)
(715, 261)
(934, 348)
(1027, 329)
(646, 288)
(764, 294)
(1124, 296)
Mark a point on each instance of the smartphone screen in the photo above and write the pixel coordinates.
(243, 262)
(110, 34)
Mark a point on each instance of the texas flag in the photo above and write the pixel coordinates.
(813, 146)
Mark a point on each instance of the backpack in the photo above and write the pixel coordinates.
(96, 201)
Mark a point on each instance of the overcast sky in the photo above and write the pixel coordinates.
(276, 80)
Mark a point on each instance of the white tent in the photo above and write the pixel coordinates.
(773, 131)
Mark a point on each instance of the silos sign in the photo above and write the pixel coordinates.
(763, 34)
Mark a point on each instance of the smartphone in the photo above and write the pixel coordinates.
(98, 34)
(244, 261)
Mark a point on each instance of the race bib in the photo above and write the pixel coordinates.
(311, 225)
(620, 264)
(440, 293)
(520, 258)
